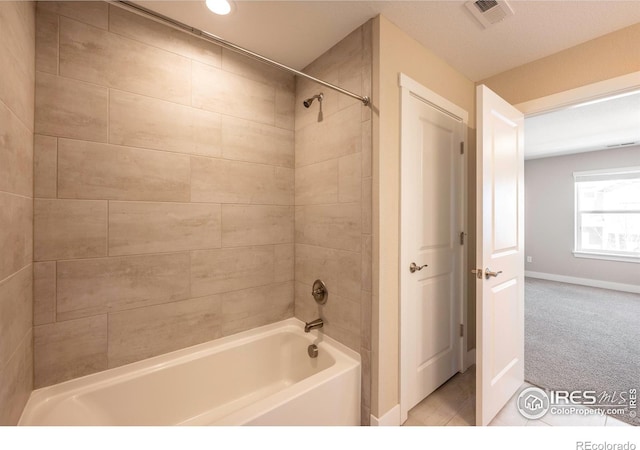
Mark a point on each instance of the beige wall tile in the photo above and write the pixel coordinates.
(349, 178)
(305, 89)
(238, 64)
(337, 135)
(367, 262)
(365, 319)
(70, 108)
(334, 226)
(317, 183)
(244, 225)
(16, 233)
(367, 150)
(102, 171)
(136, 227)
(222, 181)
(45, 166)
(306, 309)
(367, 205)
(139, 121)
(284, 262)
(46, 41)
(69, 229)
(145, 332)
(16, 308)
(285, 108)
(365, 385)
(70, 349)
(96, 286)
(91, 12)
(44, 292)
(16, 154)
(17, 58)
(136, 27)
(349, 275)
(230, 269)
(90, 54)
(17, 382)
(220, 91)
(312, 262)
(244, 140)
(250, 308)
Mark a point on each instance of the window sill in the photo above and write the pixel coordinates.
(607, 257)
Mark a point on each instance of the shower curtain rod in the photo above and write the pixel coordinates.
(231, 46)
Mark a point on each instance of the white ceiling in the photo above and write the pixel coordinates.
(297, 32)
(593, 125)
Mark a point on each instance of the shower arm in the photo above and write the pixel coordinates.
(366, 101)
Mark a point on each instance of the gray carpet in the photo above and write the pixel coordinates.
(582, 338)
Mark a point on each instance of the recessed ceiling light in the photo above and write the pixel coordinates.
(220, 7)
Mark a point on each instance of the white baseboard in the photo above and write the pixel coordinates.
(585, 282)
(390, 419)
(470, 359)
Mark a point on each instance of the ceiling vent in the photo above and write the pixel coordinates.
(489, 12)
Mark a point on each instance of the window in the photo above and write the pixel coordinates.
(608, 214)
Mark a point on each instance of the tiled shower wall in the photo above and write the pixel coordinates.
(164, 185)
(333, 198)
(17, 37)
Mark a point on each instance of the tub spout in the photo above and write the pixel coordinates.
(308, 326)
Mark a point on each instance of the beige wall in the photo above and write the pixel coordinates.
(164, 185)
(17, 43)
(333, 198)
(600, 59)
(395, 52)
(549, 192)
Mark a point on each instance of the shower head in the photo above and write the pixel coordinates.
(308, 101)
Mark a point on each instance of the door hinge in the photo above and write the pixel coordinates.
(462, 148)
(462, 233)
(461, 330)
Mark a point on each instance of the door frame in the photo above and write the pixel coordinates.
(409, 87)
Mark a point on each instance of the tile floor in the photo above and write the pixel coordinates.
(453, 404)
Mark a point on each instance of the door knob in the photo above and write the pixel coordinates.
(413, 267)
(488, 273)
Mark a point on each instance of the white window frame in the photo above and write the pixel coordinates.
(599, 175)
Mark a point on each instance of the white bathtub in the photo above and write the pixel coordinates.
(259, 377)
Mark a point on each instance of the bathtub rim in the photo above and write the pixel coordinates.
(345, 359)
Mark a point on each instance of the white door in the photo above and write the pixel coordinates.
(431, 253)
(500, 259)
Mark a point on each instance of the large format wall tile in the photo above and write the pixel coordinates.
(102, 171)
(90, 12)
(222, 181)
(134, 26)
(139, 121)
(136, 227)
(45, 166)
(70, 108)
(66, 229)
(70, 349)
(16, 233)
(96, 286)
(223, 92)
(335, 226)
(17, 382)
(243, 140)
(256, 225)
(100, 57)
(340, 270)
(46, 41)
(224, 270)
(254, 307)
(337, 135)
(153, 330)
(44, 292)
(16, 154)
(15, 311)
(317, 183)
